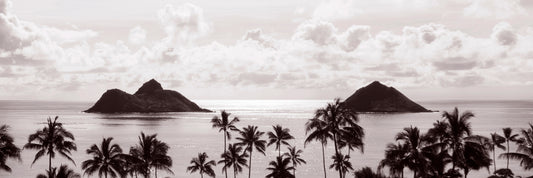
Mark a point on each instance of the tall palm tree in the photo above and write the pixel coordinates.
(63, 172)
(496, 141)
(415, 160)
(7, 148)
(458, 128)
(341, 163)
(201, 165)
(251, 138)
(51, 139)
(225, 125)
(280, 168)
(524, 152)
(318, 132)
(107, 159)
(279, 137)
(436, 150)
(475, 153)
(151, 153)
(509, 137)
(395, 159)
(295, 156)
(235, 157)
(337, 118)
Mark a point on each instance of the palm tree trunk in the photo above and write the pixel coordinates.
(234, 172)
(494, 157)
(402, 173)
(105, 175)
(155, 172)
(336, 151)
(324, 160)
(225, 170)
(507, 154)
(250, 165)
(414, 175)
(294, 170)
(466, 172)
(279, 149)
(50, 163)
(201, 175)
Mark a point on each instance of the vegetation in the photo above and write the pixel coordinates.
(202, 165)
(448, 149)
(107, 160)
(52, 139)
(279, 137)
(235, 157)
(251, 138)
(63, 172)
(224, 125)
(280, 168)
(8, 149)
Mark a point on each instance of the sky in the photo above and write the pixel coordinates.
(74, 50)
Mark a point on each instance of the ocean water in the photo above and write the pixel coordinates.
(190, 133)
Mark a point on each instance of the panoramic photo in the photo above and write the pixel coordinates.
(266, 89)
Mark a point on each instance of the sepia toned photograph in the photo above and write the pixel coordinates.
(266, 89)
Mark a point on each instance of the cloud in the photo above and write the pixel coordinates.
(137, 35)
(494, 9)
(183, 23)
(504, 34)
(319, 32)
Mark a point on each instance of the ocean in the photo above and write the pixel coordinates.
(190, 133)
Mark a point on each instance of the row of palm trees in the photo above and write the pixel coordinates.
(451, 141)
(448, 149)
(107, 158)
(239, 154)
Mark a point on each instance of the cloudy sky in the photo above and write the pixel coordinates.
(277, 49)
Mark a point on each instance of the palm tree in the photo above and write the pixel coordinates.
(319, 133)
(337, 118)
(234, 158)
(509, 137)
(366, 172)
(496, 141)
(251, 138)
(63, 172)
(51, 139)
(352, 138)
(295, 156)
(225, 125)
(414, 159)
(475, 154)
(201, 165)
(524, 152)
(151, 153)
(107, 159)
(341, 163)
(280, 168)
(7, 148)
(395, 159)
(279, 137)
(436, 150)
(458, 129)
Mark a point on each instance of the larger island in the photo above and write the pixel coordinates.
(151, 97)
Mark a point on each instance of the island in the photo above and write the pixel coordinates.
(377, 97)
(151, 97)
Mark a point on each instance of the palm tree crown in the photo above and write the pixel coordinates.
(341, 163)
(295, 156)
(51, 139)
(235, 157)
(279, 137)
(201, 165)
(524, 152)
(7, 148)
(107, 159)
(251, 138)
(151, 153)
(280, 168)
(63, 172)
(509, 137)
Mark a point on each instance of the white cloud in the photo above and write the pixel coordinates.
(183, 23)
(137, 35)
(501, 9)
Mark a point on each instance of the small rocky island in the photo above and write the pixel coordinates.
(151, 97)
(377, 97)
